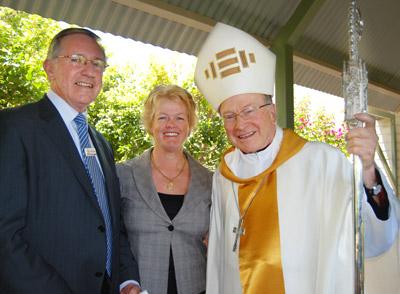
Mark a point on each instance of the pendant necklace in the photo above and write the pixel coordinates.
(239, 230)
(170, 185)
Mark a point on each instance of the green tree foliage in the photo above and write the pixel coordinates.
(24, 39)
(208, 142)
(320, 128)
(116, 114)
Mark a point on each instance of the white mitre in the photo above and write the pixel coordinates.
(232, 62)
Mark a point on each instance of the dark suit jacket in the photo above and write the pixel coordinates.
(52, 237)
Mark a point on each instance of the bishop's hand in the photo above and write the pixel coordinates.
(363, 141)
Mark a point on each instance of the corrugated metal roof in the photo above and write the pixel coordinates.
(183, 25)
(379, 47)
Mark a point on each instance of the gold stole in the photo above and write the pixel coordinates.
(260, 263)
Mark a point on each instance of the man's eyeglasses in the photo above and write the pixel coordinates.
(80, 61)
(247, 113)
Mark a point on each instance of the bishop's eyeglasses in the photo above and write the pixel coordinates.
(246, 114)
(80, 61)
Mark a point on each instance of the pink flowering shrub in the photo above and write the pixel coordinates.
(320, 127)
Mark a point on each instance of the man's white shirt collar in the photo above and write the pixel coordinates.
(249, 165)
(66, 111)
(67, 114)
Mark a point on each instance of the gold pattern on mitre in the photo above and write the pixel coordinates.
(232, 62)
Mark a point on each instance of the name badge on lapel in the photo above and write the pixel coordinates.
(90, 152)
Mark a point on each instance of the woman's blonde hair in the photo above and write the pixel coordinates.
(172, 92)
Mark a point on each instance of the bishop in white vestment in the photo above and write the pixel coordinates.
(281, 216)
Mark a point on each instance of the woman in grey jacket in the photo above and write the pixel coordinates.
(166, 198)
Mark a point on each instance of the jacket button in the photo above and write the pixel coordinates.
(101, 228)
(170, 228)
(98, 274)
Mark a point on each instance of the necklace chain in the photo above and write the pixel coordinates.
(170, 186)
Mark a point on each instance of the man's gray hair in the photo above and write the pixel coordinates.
(55, 45)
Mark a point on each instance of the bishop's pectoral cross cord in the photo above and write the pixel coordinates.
(239, 230)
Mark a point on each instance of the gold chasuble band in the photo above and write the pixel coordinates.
(260, 262)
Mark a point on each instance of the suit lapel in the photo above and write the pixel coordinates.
(58, 133)
(144, 180)
(195, 193)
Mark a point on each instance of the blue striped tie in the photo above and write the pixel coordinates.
(97, 180)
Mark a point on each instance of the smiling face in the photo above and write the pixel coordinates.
(252, 134)
(78, 86)
(170, 126)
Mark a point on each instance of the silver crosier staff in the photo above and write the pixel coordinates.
(355, 84)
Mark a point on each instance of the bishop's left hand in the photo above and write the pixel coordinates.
(363, 142)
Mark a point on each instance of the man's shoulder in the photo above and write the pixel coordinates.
(321, 150)
(321, 145)
(20, 116)
(18, 110)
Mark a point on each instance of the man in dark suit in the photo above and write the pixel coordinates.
(60, 229)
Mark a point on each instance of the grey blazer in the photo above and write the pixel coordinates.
(151, 233)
